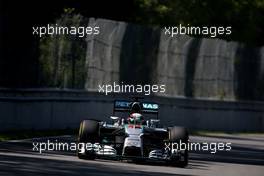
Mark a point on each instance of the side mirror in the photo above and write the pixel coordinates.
(154, 122)
(115, 118)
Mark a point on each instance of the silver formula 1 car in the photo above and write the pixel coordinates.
(134, 136)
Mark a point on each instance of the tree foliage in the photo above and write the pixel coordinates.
(246, 17)
(62, 57)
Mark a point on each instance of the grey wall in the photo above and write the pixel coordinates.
(58, 109)
(134, 54)
(192, 67)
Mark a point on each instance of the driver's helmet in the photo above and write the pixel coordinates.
(135, 118)
(136, 107)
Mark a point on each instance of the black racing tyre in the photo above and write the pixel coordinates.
(177, 134)
(88, 133)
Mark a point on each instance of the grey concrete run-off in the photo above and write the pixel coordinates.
(58, 109)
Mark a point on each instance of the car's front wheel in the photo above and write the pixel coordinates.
(179, 135)
(88, 133)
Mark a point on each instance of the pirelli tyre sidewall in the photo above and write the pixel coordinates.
(89, 132)
(179, 134)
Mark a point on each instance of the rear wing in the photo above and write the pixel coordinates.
(125, 106)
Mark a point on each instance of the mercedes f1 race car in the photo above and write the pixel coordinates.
(133, 136)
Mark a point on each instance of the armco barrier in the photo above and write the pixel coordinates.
(59, 109)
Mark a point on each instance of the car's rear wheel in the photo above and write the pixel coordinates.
(179, 135)
(88, 133)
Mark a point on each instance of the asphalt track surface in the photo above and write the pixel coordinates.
(17, 158)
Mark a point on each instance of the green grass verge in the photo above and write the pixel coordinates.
(25, 134)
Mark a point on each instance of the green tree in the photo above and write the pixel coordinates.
(246, 17)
